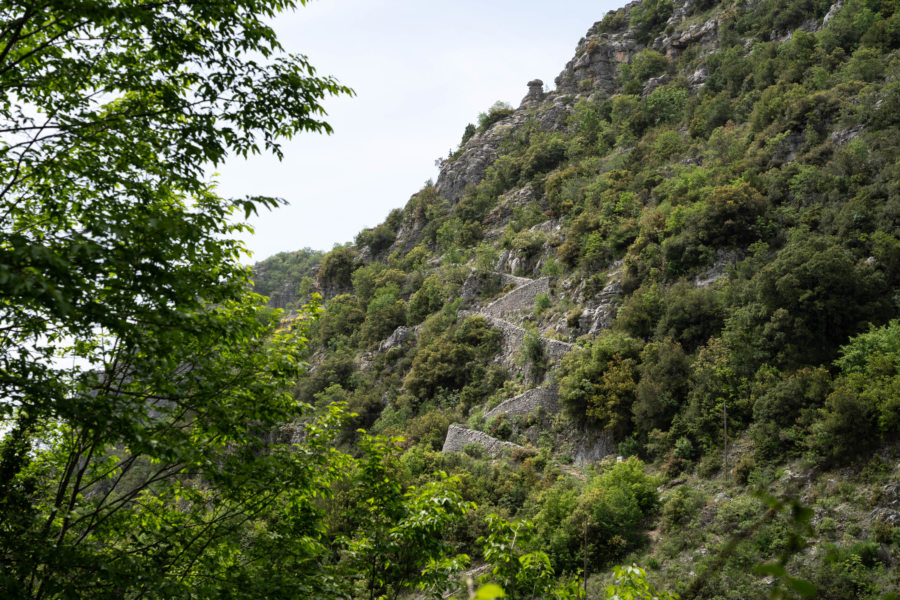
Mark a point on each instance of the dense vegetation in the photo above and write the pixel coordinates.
(732, 205)
(755, 215)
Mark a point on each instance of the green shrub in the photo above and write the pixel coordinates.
(342, 317)
(666, 104)
(528, 243)
(367, 280)
(426, 300)
(597, 384)
(614, 20)
(385, 313)
(551, 268)
(541, 303)
(378, 239)
(680, 507)
(533, 355)
(648, 17)
(499, 111)
(544, 154)
(500, 427)
(684, 449)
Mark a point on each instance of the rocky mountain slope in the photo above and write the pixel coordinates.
(688, 252)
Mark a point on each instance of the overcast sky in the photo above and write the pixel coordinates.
(421, 70)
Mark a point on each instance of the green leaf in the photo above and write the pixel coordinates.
(489, 591)
(802, 587)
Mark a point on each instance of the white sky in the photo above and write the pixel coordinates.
(421, 70)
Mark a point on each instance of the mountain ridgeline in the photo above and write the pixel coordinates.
(638, 303)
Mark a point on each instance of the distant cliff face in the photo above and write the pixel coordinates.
(593, 69)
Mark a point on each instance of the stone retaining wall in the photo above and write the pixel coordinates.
(513, 336)
(459, 437)
(519, 300)
(528, 402)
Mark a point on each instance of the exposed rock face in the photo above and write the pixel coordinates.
(596, 63)
(284, 297)
(535, 94)
(592, 447)
(400, 336)
(476, 156)
(459, 437)
(601, 309)
(698, 34)
(528, 402)
(719, 269)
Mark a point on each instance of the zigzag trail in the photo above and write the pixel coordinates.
(517, 300)
(521, 298)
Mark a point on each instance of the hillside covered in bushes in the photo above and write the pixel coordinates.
(651, 315)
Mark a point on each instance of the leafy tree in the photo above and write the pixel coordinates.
(521, 574)
(663, 386)
(139, 372)
(270, 275)
(400, 531)
(427, 299)
(384, 314)
(497, 112)
(612, 507)
(336, 272)
(454, 359)
(631, 584)
(806, 302)
(342, 317)
(467, 134)
(864, 408)
(781, 412)
(598, 384)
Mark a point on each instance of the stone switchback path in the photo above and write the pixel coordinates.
(511, 305)
(521, 299)
(514, 337)
(458, 437)
(526, 403)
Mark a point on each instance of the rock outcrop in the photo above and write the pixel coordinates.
(535, 94)
(397, 339)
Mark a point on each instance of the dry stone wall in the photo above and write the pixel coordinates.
(459, 437)
(528, 402)
(519, 300)
(513, 337)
